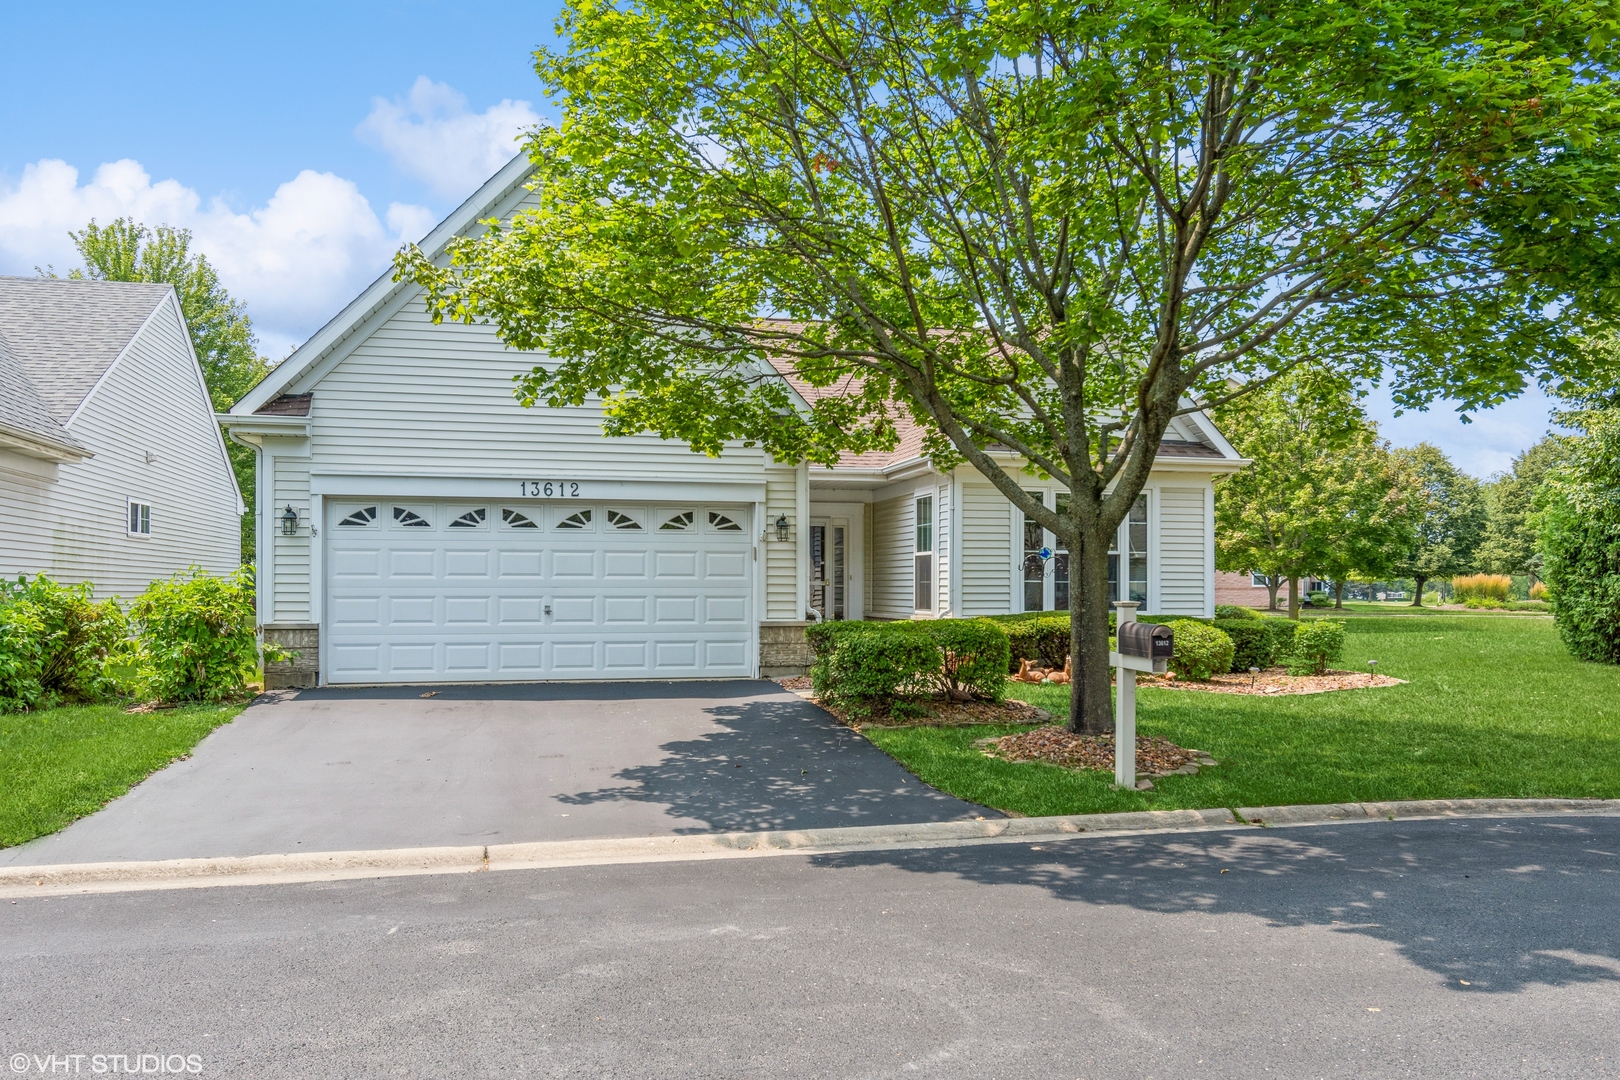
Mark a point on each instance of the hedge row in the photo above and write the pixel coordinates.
(886, 668)
(1043, 637)
(190, 638)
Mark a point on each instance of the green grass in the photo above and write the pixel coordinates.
(60, 764)
(1494, 708)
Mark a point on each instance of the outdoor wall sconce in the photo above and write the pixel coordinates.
(289, 521)
(782, 527)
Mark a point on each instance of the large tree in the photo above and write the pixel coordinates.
(1323, 496)
(1449, 519)
(1511, 545)
(1045, 229)
(221, 332)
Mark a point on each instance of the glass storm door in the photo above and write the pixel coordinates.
(828, 567)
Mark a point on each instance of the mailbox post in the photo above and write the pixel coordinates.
(1141, 647)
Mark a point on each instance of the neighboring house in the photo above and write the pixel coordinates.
(1249, 590)
(418, 525)
(112, 469)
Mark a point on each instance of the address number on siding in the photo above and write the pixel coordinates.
(549, 489)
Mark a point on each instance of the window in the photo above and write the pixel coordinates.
(682, 520)
(1034, 565)
(622, 521)
(1259, 580)
(140, 519)
(517, 520)
(1133, 532)
(472, 519)
(411, 519)
(360, 518)
(580, 519)
(723, 523)
(1060, 561)
(923, 555)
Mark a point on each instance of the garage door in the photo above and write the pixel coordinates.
(425, 591)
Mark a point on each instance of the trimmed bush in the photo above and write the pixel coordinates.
(1201, 650)
(882, 669)
(1317, 645)
(196, 639)
(56, 644)
(1256, 642)
(1040, 637)
(872, 669)
(973, 656)
(1236, 611)
(1481, 589)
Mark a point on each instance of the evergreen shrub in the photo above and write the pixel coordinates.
(1317, 645)
(1201, 650)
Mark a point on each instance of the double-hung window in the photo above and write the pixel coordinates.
(923, 555)
(140, 518)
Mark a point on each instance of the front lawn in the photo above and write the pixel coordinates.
(1494, 707)
(58, 765)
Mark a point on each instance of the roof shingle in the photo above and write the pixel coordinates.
(64, 333)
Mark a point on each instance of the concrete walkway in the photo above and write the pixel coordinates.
(351, 769)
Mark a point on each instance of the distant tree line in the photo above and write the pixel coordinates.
(1327, 498)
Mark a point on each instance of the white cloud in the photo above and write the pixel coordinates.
(431, 135)
(295, 261)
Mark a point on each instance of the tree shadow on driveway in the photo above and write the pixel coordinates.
(1492, 906)
(780, 763)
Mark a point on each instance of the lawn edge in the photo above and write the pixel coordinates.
(110, 877)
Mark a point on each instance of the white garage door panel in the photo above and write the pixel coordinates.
(504, 597)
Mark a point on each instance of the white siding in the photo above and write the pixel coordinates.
(75, 529)
(892, 542)
(943, 601)
(290, 574)
(987, 555)
(1183, 535)
(417, 398)
(781, 559)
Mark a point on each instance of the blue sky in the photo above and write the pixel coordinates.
(303, 142)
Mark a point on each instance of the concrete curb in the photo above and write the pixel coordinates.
(80, 878)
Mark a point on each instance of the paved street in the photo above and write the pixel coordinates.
(1466, 948)
(345, 769)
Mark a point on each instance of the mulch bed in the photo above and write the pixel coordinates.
(1058, 746)
(1273, 681)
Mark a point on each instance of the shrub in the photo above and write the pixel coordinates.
(1317, 644)
(56, 643)
(1236, 611)
(1538, 591)
(1256, 642)
(196, 637)
(1483, 588)
(1579, 526)
(1041, 637)
(974, 656)
(874, 669)
(1201, 650)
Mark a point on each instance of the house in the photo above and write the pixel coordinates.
(418, 525)
(1249, 590)
(112, 469)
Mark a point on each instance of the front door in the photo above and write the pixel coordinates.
(829, 567)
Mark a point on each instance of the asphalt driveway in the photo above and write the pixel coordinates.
(361, 768)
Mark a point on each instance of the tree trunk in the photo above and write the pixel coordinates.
(1273, 582)
(1293, 598)
(1417, 601)
(1091, 704)
(1338, 595)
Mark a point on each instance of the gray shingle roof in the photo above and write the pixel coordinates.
(21, 410)
(64, 334)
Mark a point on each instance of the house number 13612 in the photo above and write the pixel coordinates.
(549, 489)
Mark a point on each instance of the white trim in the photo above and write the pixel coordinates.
(931, 493)
(130, 503)
(399, 485)
(479, 205)
(295, 426)
(34, 445)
